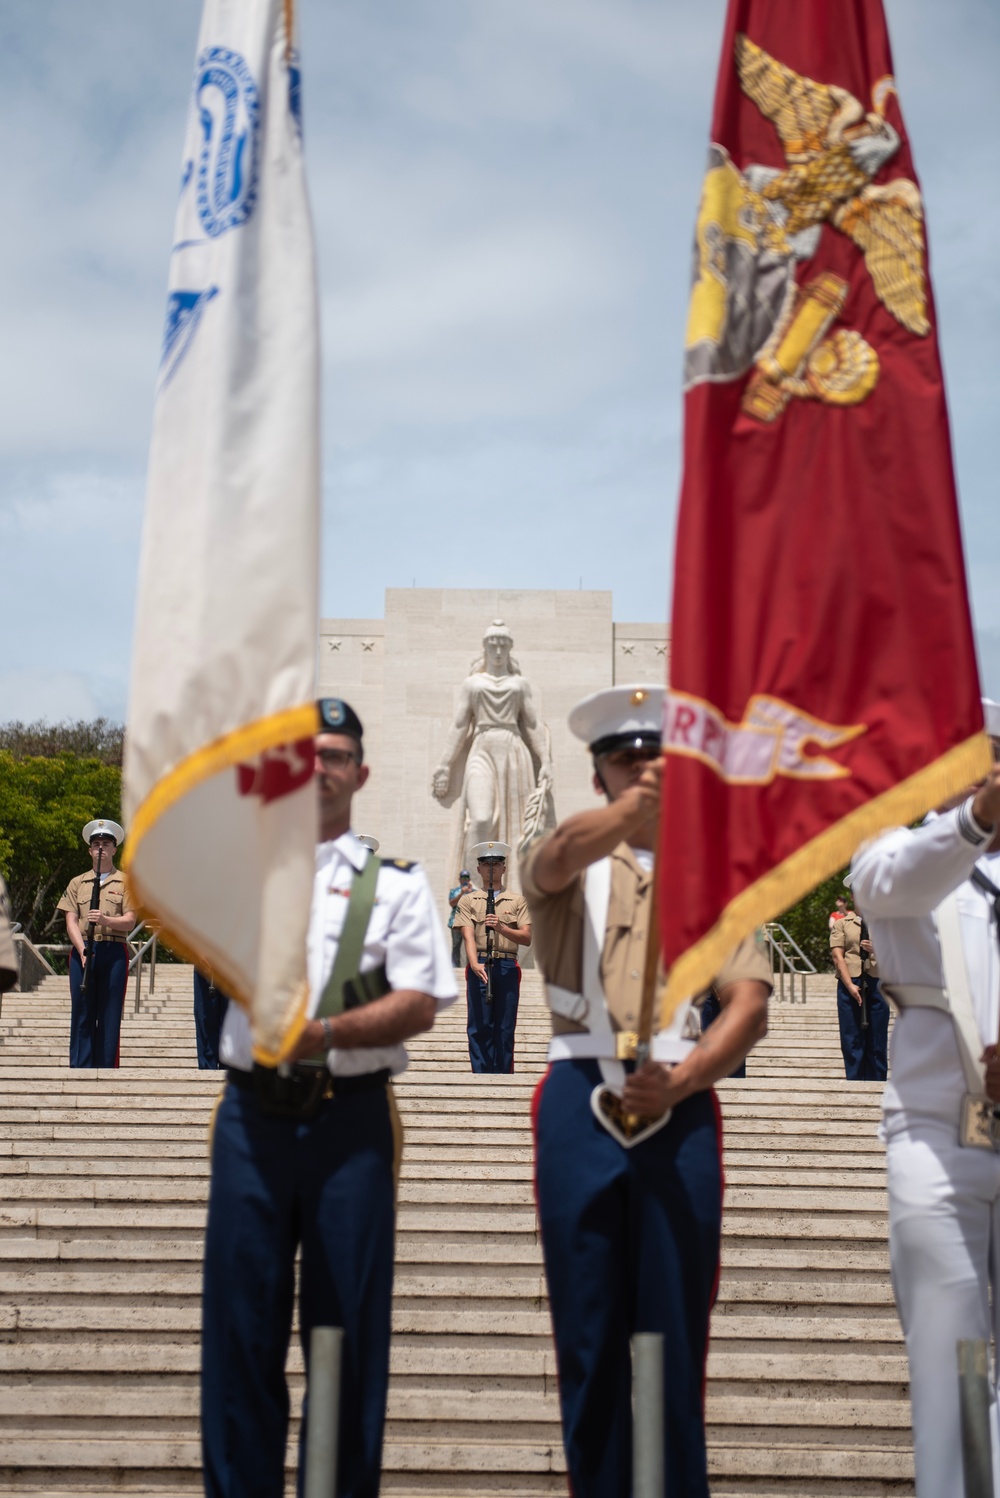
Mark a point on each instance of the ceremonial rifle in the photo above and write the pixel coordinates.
(863, 979)
(491, 907)
(95, 904)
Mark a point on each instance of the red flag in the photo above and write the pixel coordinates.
(823, 675)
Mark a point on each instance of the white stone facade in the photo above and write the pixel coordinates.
(402, 676)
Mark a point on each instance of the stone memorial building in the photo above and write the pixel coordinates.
(446, 712)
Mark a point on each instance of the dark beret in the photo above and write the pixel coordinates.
(338, 716)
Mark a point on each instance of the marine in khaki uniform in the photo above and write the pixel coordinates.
(492, 996)
(630, 1232)
(8, 956)
(96, 1015)
(864, 1047)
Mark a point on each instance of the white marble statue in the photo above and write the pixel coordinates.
(507, 784)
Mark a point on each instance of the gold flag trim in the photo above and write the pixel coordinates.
(212, 759)
(696, 968)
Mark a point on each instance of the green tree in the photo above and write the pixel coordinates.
(44, 805)
(808, 922)
(100, 739)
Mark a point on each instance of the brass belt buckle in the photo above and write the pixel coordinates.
(626, 1042)
(980, 1126)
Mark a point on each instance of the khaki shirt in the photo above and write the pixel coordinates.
(557, 926)
(511, 909)
(115, 900)
(8, 956)
(845, 936)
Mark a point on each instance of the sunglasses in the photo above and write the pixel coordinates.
(625, 758)
(336, 759)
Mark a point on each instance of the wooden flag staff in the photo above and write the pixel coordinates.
(631, 1128)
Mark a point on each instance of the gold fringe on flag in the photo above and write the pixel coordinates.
(695, 969)
(224, 753)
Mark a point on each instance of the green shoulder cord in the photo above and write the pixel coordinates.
(352, 940)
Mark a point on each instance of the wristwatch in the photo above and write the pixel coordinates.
(327, 1033)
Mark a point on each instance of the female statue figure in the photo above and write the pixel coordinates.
(502, 798)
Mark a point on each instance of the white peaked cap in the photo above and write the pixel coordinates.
(105, 828)
(631, 712)
(991, 717)
(371, 843)
(490, 850)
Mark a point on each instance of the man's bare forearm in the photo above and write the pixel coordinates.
(843, 972)
(74, 933)
(386, 1021)
(729, 1040)
(583, 839)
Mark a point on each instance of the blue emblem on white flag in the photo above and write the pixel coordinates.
(295, 88)
(229, 106)
(184, 309)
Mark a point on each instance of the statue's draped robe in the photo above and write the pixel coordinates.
(499, 756)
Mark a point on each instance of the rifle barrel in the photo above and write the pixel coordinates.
(88, 951)
(491, 906)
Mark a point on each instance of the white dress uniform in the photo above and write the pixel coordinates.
(400, 934)
(944, 1197)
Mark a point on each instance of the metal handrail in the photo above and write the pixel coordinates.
(808, 966)
(149, 945)
(63, 949)
(785, 963)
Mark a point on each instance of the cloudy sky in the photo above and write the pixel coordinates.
(504, 193)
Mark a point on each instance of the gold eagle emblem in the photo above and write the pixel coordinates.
(834, 148)
(754, 226)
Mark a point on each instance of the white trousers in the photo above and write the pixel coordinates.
(944, 1242)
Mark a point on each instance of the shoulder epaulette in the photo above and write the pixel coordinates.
(406, 864)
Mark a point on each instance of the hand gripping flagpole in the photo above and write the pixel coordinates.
(631, 1128)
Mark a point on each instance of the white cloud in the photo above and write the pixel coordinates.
(102, 507)
(504, 194)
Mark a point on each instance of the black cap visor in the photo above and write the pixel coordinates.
(643, 738)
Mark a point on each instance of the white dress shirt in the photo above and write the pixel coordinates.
(898, 882)
(404, 932)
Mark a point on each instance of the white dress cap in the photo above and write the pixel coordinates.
(371, 843)
(991, 717)
(614, 717)
(103, 828)
(490, 850)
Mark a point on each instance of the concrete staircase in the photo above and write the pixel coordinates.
(105, 1177)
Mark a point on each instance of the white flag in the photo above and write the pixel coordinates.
(219, 794)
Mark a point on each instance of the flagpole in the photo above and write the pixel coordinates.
(650, 968)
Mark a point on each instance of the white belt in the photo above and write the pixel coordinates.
(585, 1047)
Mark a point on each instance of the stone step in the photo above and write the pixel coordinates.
(101, 1222)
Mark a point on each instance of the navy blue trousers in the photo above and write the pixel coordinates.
(210, 1005)
(865, 1055)
(710, 1011)
(491, 1027)
(95, 1021)
(631, 1243)
(328, 1185)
